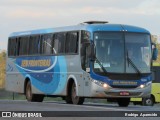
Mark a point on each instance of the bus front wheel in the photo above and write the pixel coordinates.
(148, 101)
(32, 97)
(123, 102)
(75, 99)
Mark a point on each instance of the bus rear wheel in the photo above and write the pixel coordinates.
(75, 99)
(32, 97)
(123, 102)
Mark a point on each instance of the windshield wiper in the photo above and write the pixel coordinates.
(133, 65)
(101, 65)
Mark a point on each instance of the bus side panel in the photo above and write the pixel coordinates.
(14, 80)
(156, 91)
(48, 74)
(75, 72)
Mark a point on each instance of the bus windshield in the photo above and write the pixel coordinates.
(122, 53)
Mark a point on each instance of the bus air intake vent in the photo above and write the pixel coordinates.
(95, 22)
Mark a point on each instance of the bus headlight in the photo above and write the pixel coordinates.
(145, 85)
(142, 86)
(102, 84)
(105, 85)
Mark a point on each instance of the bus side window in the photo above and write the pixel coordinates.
(59, 42)
(47, 47)
(17, 46)
(158, 76)
(34, 45)
(23, 45)
(55, 45)
(12, 47)
(154, 76)
(71, 42)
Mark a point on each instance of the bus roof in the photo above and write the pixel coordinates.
(88, 27)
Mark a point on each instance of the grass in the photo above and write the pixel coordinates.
(156, 64)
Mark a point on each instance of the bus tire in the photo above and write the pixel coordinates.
(136, 103)
(75, 99)
(68, 99)
(32, 97)
(148, 101)
(123, 102)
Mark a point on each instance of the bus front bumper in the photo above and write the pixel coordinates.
(107, 91)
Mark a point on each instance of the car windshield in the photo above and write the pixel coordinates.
(113, 49)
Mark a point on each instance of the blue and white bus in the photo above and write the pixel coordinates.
(94, 59)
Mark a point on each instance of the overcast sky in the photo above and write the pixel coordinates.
(22, 15)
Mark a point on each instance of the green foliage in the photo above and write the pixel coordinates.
(158, 60)
(154, 39)
(2, 68)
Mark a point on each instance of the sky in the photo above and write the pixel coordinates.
(22, 15)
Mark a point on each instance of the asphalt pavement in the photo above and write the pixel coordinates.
(61, 110)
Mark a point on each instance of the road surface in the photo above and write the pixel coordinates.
(61, 107)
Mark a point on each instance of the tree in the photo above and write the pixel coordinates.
(2, 68)
(155, 40)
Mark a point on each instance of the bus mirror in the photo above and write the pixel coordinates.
(154, 52)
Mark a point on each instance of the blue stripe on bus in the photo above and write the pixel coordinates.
(49, 82)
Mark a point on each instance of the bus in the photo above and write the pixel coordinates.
(155, 91)
(94, 59)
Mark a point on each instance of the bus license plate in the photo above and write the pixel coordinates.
(124, 93)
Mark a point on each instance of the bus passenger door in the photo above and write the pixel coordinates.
(85, 62)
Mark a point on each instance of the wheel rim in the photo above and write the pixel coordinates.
(149, 102)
